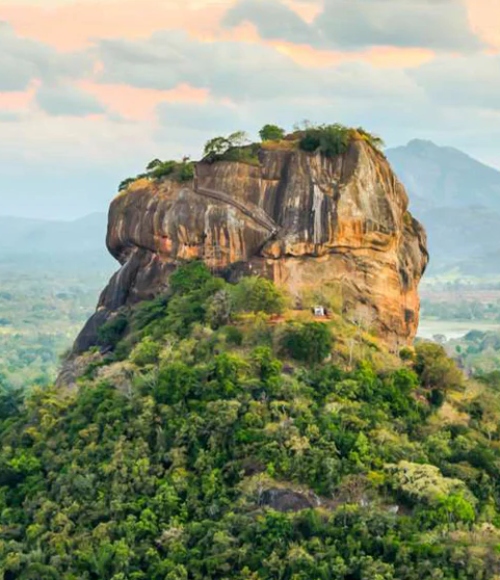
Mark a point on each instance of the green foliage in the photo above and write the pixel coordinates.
(153, 164)
(330, 140)
(333, 140)
(310, 343)
(181, 171)
(235, 147)
(374, 140)
(436, 370)
(234, 335)
(145, 352)
(206, 455)
(271, 133)
(112, 331)
(255, 294)
(426, 483)
(186, 172)
(191, 277)
(125, 183)
(221, 145)
(43, 305)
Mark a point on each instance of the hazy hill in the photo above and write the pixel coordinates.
(64, 243)
(458, 200)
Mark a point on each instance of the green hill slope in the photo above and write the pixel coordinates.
(218, 435)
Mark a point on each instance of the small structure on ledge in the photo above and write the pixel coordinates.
(319, 311)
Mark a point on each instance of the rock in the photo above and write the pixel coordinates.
(287, 500)
(74, 367)
(302, 220)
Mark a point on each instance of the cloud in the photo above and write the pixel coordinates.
(240, 71)
(9, 117)
(67, 100)
(227, 69)
(436, 24)
(211, 117)
(273, 19)
(472, 81)
(22, 60)
(358, 24)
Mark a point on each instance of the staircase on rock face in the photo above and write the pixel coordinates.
(254, 212)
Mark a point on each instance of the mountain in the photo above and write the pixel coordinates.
(30, 242)
(336, 228)
(458, 200)
(217, 429)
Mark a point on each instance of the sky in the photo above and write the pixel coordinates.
(91, 90)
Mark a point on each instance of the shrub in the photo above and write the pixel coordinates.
(233, 335)
(163, 169)
(146, 352)
(220, 145)
(406, 354)
(219, 309)
(310, 343)
(186, 172)
(374, 140)
(246, 154)
(257, 295)
(190, 276)
(271, 133)
(153, 164)
(125, 183)
(330, 140)
(175, 383)
(112, 331)
(435, 369)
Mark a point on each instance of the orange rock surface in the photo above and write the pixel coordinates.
(303, 220)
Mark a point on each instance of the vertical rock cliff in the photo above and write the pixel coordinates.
(304, 220)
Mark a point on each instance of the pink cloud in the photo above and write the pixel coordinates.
(18, 100)
(307, 11)
(140, 104)
(77, 24)
(485, 20)
(379, 57)
(74, 25)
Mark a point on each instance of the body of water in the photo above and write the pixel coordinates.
(453, 329)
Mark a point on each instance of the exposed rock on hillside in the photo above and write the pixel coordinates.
(304, 220)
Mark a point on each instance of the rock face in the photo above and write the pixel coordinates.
(303, 220)
(287, 500)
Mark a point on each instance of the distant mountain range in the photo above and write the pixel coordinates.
(30, 242)
(458, 200)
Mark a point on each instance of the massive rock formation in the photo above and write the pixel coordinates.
(303, 220)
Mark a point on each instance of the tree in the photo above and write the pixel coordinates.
(374, 140)
(257, 294)
(271, 133)
(455, 507)
(189, 277)
(186, 172)
(125, 183)
(220, 145)
(216, 146)
(310, 343)
(435, 369)
(153, 164)
(112, 331)
(219, 309)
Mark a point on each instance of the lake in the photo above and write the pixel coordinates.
(453, 329)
